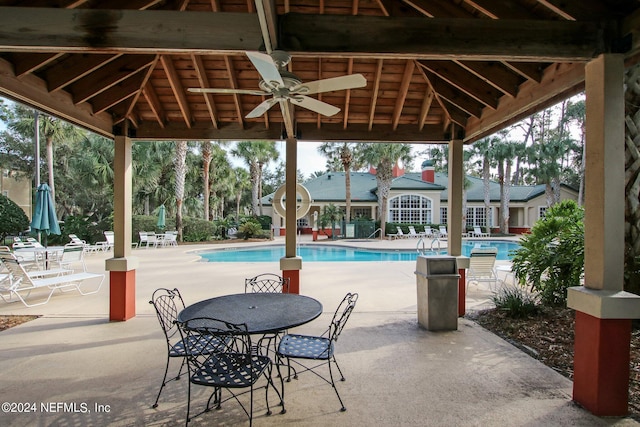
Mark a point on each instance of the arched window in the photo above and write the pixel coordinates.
(410, 208)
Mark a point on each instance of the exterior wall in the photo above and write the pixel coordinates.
(17, 190)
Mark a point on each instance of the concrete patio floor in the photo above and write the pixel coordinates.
(108, 373)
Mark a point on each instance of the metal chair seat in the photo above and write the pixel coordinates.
(231, 370)
(306, 347)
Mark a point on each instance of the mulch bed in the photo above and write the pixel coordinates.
(548, 337)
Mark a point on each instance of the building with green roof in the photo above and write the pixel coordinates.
(421, 198)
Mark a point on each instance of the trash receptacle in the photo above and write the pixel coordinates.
(437, 291)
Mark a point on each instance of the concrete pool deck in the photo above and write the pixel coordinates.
(397, 373)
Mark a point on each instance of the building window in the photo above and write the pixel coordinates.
(302, 223)
(541, 211)
(476, 216)
(361, 213)
(410, 208)
(444, 215)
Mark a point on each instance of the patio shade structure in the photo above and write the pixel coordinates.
(161, 224)
(44, 218)
(437, 72)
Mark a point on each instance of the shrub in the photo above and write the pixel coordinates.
(516, 302)
(197, 230)
(250, 228)
(13, 220)
(551, 258)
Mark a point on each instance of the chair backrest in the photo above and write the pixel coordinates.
(340, 317)
(34, 242)
(443, 229)
(72, 253)
(151, 237)
(482, 259)
(266, 283)
(109, 236)
(412, 230)
(143, 236)
(399, 230)
(16, 270)
(205, 338)
(167, 303)
(427, 229)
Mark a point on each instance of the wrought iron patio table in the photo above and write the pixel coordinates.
(263, 313)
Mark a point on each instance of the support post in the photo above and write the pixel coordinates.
(603, 309)
(122, 277)
(454, 223)
(291, 264)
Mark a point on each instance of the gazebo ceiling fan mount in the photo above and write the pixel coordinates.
(287, 87)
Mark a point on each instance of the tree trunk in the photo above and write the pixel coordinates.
(632, 180)
(180, 165)
(206, 164)
(347, 183)
(254, 175)
(49, 143)
(486, 193)
(504, 200)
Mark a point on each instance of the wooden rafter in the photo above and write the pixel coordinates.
(147, 75)
(496, 74)
(25, 64)
(74, 68)
(234, 85)
(458, 98)
(108, 76)
(176, 88)
(118, 93)
(374, 93)
(426, 107)
(201, 72)
(402, 93)
(154, 103)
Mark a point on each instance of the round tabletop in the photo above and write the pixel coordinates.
(261, 312)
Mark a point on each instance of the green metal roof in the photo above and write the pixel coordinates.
(330, 187)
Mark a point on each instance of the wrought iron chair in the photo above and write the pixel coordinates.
(168, 303)
(266, 283)
(321, 348)
(229, 365)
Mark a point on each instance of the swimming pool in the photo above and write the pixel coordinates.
(321, 253)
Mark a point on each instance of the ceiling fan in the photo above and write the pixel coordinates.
(286, 86)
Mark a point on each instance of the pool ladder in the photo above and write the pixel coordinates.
(423, 250)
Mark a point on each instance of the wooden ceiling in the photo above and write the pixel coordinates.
(434, 68)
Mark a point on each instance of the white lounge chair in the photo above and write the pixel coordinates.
(21, 283)
(170, 239)
(477, 232)
(482, 263)
(443, 231)
(401, 234)
(108, 244)
(414, 233)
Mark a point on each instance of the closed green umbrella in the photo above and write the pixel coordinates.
(161, 218)
(45, 219)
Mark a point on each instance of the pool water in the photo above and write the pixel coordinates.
(317, 253)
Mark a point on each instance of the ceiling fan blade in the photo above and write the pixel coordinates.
(214, 90)
(266, 67)
(315, 105)
(329, 85)
(262, 108)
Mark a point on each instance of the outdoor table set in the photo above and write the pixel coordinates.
(216, 341)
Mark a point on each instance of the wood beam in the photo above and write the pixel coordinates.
(177, 89)
(426, 106)
(147, 75)
(529, 70)
(148, 31)
(347, 97)
(32, 91)
(118, 93)
(164, 32)
(456, 97)
(488, 39)
(333, 132)
(558, 82)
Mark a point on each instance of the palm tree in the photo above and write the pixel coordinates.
(384, 157)
(504, 152)
(242, 183)
(576, 113)
(206, 165)
(256, 154)
(482, 149)
(51, 128)
(179, 163)
(343, 151)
